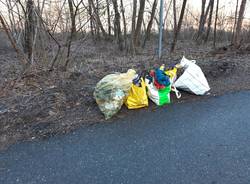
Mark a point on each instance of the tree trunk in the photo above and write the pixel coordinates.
(117, 25)
(98, 20)
(97, 25)
(203, 5)
(91, 18)
(179, 25)
(174, 12)
(124, 24)
(139, 23)
(239, 24)
(132, 45)
(150, 23)
(72, 32)
(29, 29)
(72, 18)
(215, 23)
(165, 22)
(68, 50)
(235, 20)
(209, 19)
(203, 19)
(109, 20)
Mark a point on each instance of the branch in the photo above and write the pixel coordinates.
(13, 43)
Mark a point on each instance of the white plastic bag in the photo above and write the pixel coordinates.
(158, 96)
(193, 79)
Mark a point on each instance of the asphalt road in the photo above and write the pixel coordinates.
(198, 142)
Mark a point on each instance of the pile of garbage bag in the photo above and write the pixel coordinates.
(134, 89)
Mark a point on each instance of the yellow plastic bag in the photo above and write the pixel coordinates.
(137, 97)
(172, 74)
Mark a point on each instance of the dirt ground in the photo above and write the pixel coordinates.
(44, 104)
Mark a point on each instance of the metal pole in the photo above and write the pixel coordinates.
(160, 29)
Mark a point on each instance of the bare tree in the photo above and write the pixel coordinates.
(165, 18)
(109, 19)
(45, 29)
(150, 23)
(124, 24)
(215, 23)
(117, 25)
(97, 18)
(29, 29)
(202, 19)
(209, 19)
(132, 44)
(174, 13)
(139, 23)
(236, 41)
(235, 20)
(12, 41)
(176, 33)
(72, 35)
(91, 21)
(98, 25)
(72, 17)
